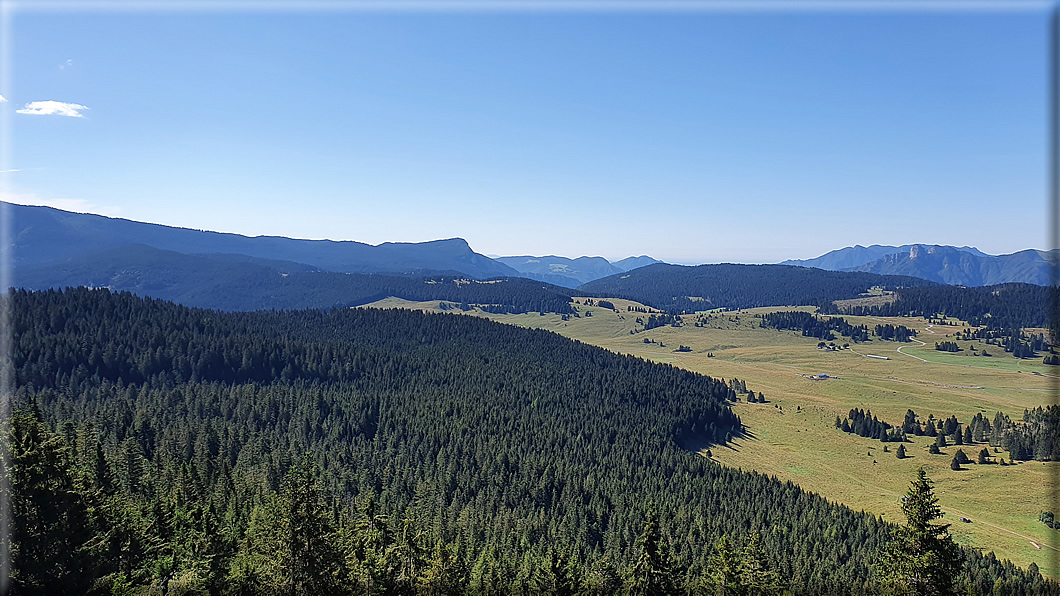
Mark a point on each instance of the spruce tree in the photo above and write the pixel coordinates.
(921, 558)
(984, 456)
(652, 571)
(50, 526)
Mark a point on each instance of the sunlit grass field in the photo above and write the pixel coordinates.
(793, 437)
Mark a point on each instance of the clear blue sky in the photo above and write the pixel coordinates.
(696, 137)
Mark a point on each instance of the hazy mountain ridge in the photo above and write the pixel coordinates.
(44, 235)
(949, 265)
(857, 255)
(955, 265)
(569, 272)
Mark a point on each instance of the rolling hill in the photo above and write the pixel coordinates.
(704, 287)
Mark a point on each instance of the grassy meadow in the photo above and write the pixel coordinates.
(793, 436)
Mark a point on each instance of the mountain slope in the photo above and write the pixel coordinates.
(949, 265)
(704, 287)
(239, 283)
(630, 263)
(566, 271)
(857, 255)
(571, 273)
(43, 234)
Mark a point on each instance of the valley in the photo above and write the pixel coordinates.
(793, 436)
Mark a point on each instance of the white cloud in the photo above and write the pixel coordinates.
(53, 108)
(69, 62)
(9, 171)
(75, 205)
(3, 99)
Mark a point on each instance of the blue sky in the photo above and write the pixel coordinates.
(691, 137)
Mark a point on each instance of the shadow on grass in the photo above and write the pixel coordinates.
(697, 444)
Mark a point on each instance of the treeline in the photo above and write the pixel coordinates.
(681, 289)
(338, 290)
(864, 424)
(812, 326)
(822, 327)
(1014, 341)
(1010, 305)
(660, 320)
(1034, 437)
(894, 332)
(163, 448)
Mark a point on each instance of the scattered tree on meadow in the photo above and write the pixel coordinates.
(984, 456)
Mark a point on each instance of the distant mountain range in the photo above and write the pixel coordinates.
(44, 235)
(571, 273)
(965, 265)
(55, 248)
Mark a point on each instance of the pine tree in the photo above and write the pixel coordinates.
(921, 559)
(900, 454)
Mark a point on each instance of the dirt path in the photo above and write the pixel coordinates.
(1023, 536)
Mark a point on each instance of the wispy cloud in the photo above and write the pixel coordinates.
(9, 171)
(69, 62)
(75, 205)
(53, 108)
(3, 99)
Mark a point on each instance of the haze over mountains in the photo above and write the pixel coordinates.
(55, 248)
(52, 239)
(571, 273)
(965, 265)
(46, 235)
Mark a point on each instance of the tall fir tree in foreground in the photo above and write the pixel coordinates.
(921, 559)
(652, 573)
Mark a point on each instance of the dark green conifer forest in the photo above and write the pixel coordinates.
(168, 450)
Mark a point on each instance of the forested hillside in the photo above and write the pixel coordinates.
(1001, 306)
(678, 288)
(236, 282)
(372, 451)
